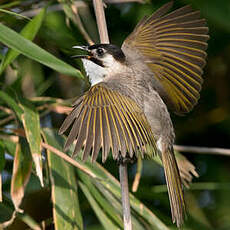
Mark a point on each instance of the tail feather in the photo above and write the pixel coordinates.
(174, 184)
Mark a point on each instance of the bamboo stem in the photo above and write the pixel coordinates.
(101, 22)
(103, 32)
(125, 196)
(202, 150)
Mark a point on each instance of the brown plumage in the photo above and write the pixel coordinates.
(173, 46)
(105, 119)
(159, 64)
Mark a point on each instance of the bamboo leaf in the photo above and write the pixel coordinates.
(29, 32)
(11, 103)
(139, 207)
(66, 210)
(30, 119)
(31, 124)
(116, 203)
(15, 41)
(105, 221)
(13, 13)
(109, 183)
(21, 172)
(107, 206)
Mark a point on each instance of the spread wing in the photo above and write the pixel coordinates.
(105, 119)
(173, 47)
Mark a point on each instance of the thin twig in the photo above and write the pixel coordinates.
(179, 148)
(101, 22)
(202, 150)
(125, 196)
(7, 119)
(137, 178)
(78, 22)
(67, 159)
(6, 110)
(57, 7)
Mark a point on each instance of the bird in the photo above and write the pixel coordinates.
(157, 69)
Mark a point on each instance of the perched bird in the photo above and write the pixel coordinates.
(159, 65)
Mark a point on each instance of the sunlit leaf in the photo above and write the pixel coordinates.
(29, 32)
(66, 210)
(15, 41)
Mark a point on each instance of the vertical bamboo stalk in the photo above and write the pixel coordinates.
(103, 32)
(125, 196)
(101, 22)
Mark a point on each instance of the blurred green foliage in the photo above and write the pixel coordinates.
(208, 201)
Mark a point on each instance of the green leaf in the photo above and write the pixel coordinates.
(107, 206)
(66, 210)
(105, 221)
(30, 119)
(9, 5)
(102, 176)
(21, 172)
(10, 146)
(14, 14)
(116, 203)
(112, 185)
(11, 103)
(33, 51)
(29, 32)
(31, 124)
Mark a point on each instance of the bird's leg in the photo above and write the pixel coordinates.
(125, 196)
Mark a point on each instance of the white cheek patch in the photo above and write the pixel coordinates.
(108, 60)
(95, 72)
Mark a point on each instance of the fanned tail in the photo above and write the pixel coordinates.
(174, 184)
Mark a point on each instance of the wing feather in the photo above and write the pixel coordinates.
(97, 135)
(109, 121)
(89, 134)
(173, 47)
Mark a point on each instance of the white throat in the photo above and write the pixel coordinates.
(97, 73)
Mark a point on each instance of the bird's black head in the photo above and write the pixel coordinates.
(102, 54)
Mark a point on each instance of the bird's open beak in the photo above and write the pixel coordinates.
(85, 48)
(88, 56)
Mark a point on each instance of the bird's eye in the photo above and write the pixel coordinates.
(100, 52)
